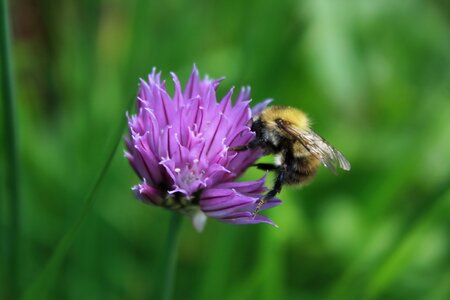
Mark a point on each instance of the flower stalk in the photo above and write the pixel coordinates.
(12, 214)
(170, 256)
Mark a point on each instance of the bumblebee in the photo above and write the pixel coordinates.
(285, 132)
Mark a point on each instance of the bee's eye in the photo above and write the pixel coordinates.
(279, 121)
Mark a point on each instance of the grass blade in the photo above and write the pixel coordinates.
(12, 230)
(40, 287)
(395, 259)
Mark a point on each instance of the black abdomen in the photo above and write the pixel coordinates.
(300, 169)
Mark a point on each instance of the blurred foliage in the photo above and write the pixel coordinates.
(373, 75)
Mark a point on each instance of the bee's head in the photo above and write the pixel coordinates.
(262, 127)
(257, 126)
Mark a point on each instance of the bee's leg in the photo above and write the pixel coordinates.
(273, 192)
(239, 148)
(277, 186)
(266, 167)
(251, 145)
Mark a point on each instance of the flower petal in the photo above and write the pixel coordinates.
(220, 203)
(249, 188)
(258, 108)
(147, 194)
(192, 86)
(246, 218)
(199, 220)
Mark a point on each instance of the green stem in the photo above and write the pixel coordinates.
(11, 161)
(170, 256)
(41, 285)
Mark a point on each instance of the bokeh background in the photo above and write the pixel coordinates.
(373, 75)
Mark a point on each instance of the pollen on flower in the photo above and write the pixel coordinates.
(178, 145)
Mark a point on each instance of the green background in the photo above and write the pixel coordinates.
(374, 76)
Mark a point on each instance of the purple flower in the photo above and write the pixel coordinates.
(179, 148)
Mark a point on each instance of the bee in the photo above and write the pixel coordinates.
(285, 132)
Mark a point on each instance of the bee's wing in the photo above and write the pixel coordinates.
(318, 147)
